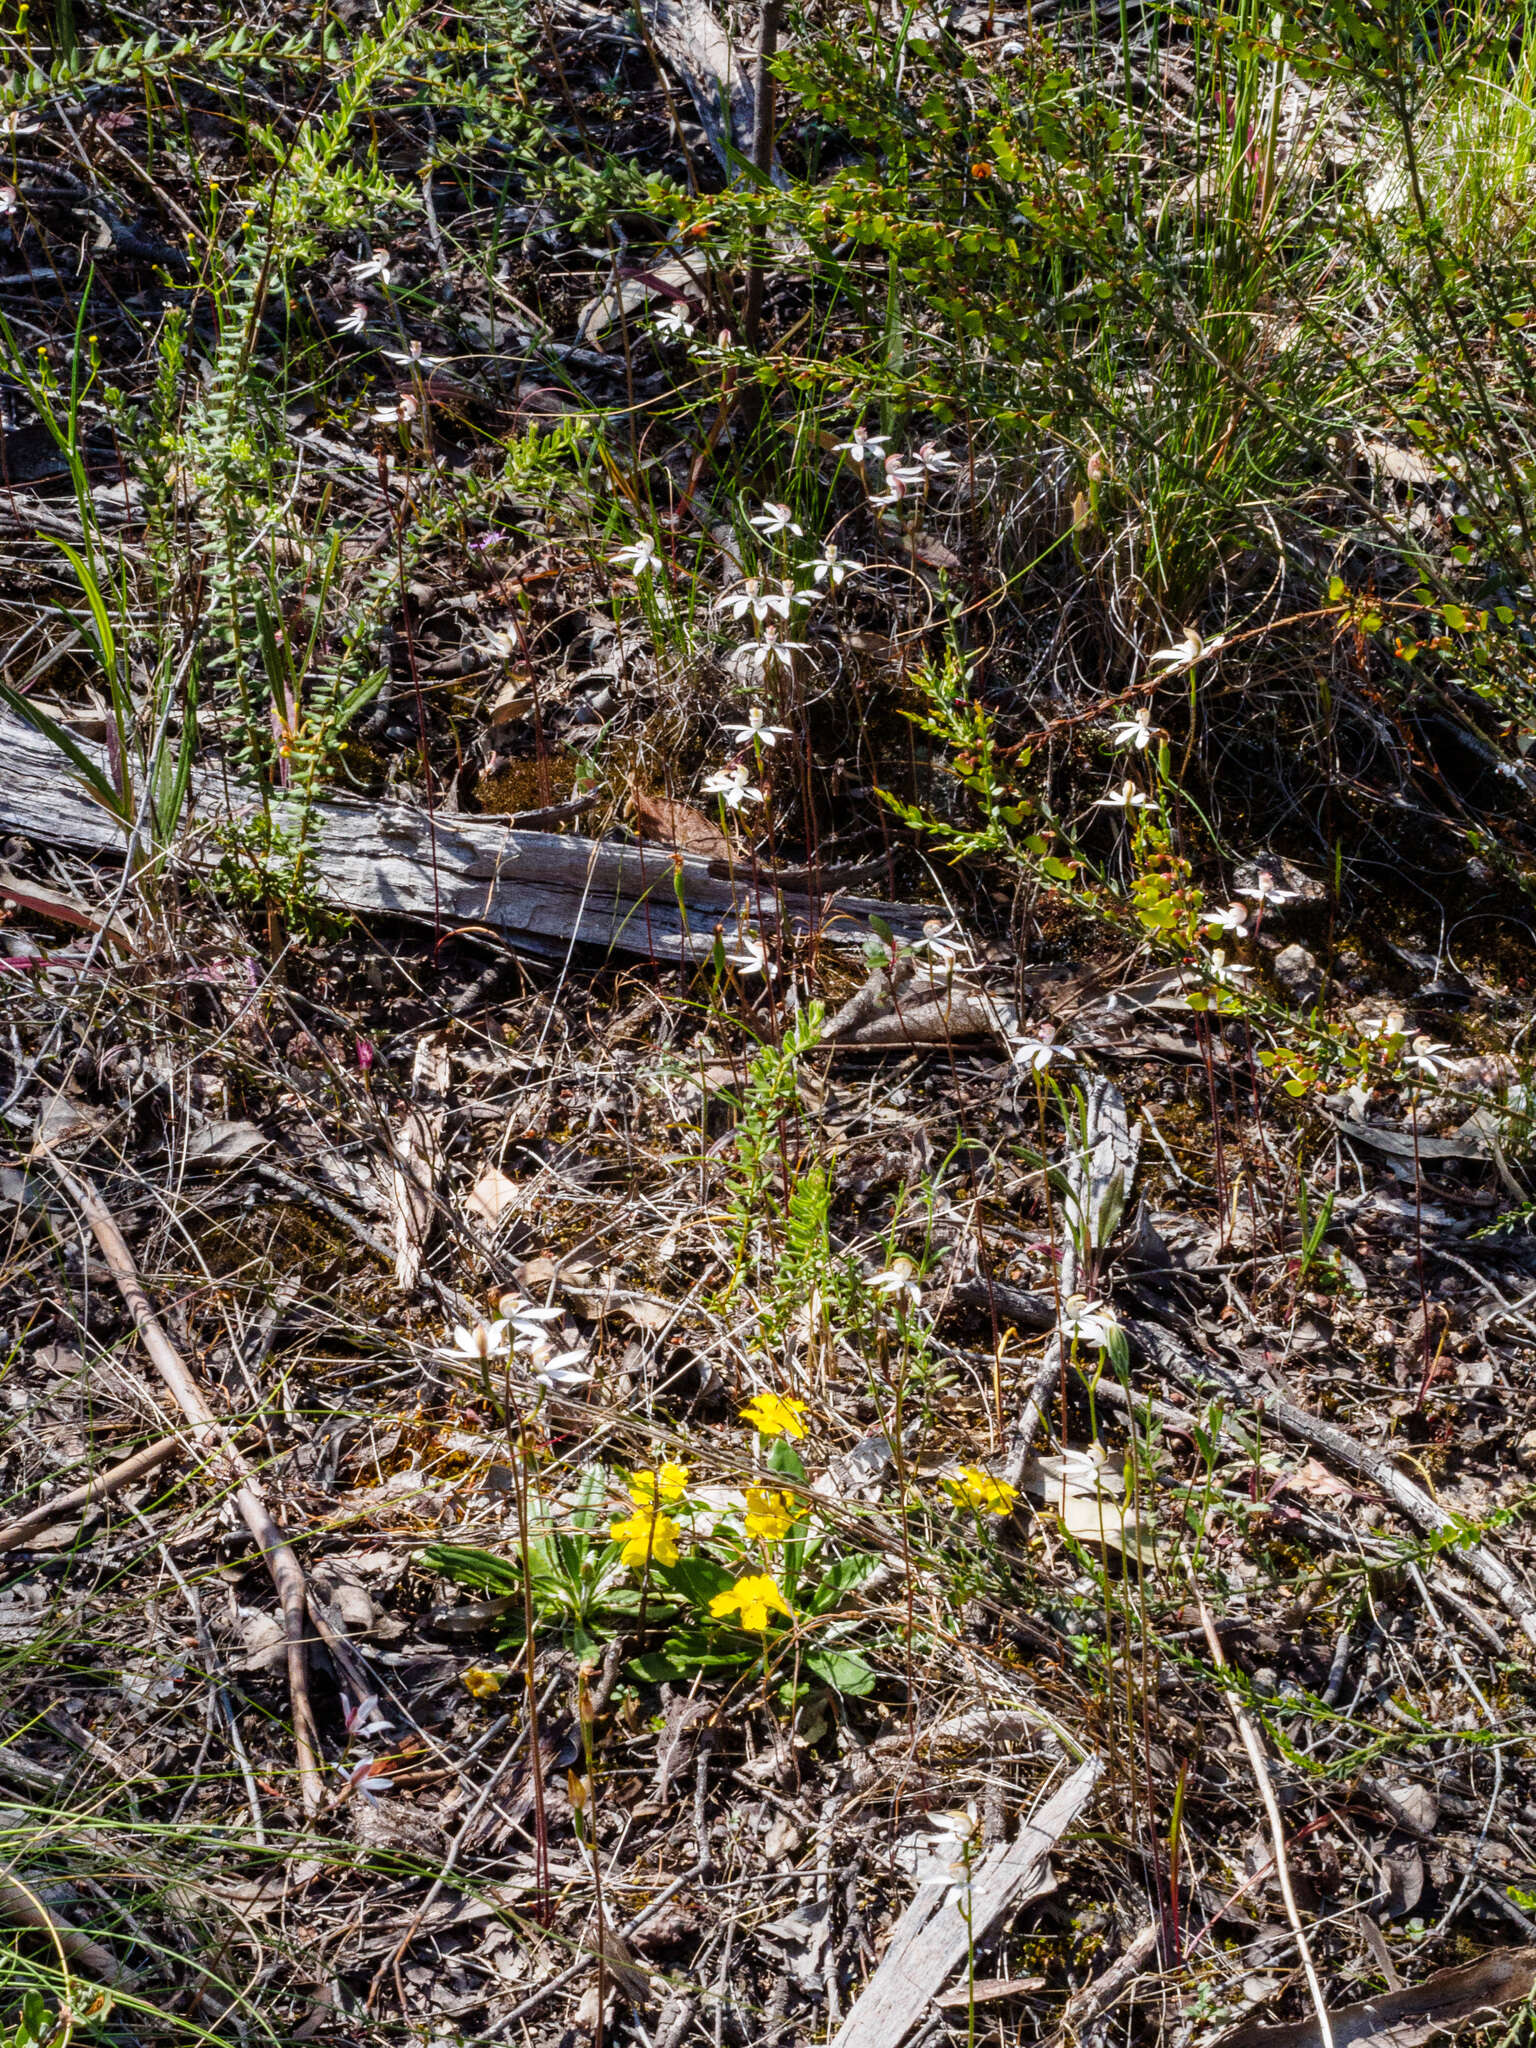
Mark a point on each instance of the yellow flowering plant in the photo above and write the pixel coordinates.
(704, 1602)
(769, 1515)
(775, 1415)
(646, 1536)
(981, 1491)
(753, 1598)
(668, 1483)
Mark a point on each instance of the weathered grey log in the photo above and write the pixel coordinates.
(541, 889)
(953, 1917)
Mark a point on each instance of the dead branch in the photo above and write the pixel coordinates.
(113, 1480)
(23, 1909)
(1337, 1445)
(1258, 1763)
(287, 1573)
(930, 1941)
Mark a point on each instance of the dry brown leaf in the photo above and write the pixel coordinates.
(1407, 2019)
(492, 1197)
(933, 554)
(1087, 1497)
(61, 909)
(61, 1121)
(664, 819)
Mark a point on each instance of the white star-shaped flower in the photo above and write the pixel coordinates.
(759, 602)
(1126, 798)
(898, 1283)
(757, 730)
(775, 520)
(484, 1341)
(935, 460)
(1133, 732)
(834, 568)
(863, 448)
(1233, 919)
(734, 787)
(639, 558)
(1090, 1322)
(672, 323)
(1425, 1055)
(751, 957)
(772, 652)
(1033, 1054)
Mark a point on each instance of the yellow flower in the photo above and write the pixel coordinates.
(769, 1514)
(775, 1415)
(755, 1597)
(645, 1535)
(479, 1683)
(667, 1482)
(974, 1488)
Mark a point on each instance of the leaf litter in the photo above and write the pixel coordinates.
(759, 1437)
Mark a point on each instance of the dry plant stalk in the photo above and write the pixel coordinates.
(277, 1554)
(1259, 1764)
(63, 1505)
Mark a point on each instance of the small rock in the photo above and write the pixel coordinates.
(1277, 883)
(1297, 972)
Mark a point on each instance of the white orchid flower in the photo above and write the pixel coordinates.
(898, 1283)
(941, 942)
(1126, 798)
(484, 1341)
(754, 599)
(1224, 971)
(413, 359)
(563, 1373)
(1089, 1322)
(375, 268)
(1267, 890)
(775, 520)
(772, 652)
(1425, 1055)
(751, 957)
(734, 787)
(1233, 919)
(900, 471)
(863, 448)
(672, 323)
(639, 558)
(1390, 1026)
(1186, 652)
(1133, 732)
(834, 568)
(935, 460)
(1033, 1054)
(355, 321)
(757, 730)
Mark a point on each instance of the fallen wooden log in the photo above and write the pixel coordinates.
(539, 889)
(952, 1917)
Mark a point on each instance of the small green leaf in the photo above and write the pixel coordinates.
(842, 1670)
